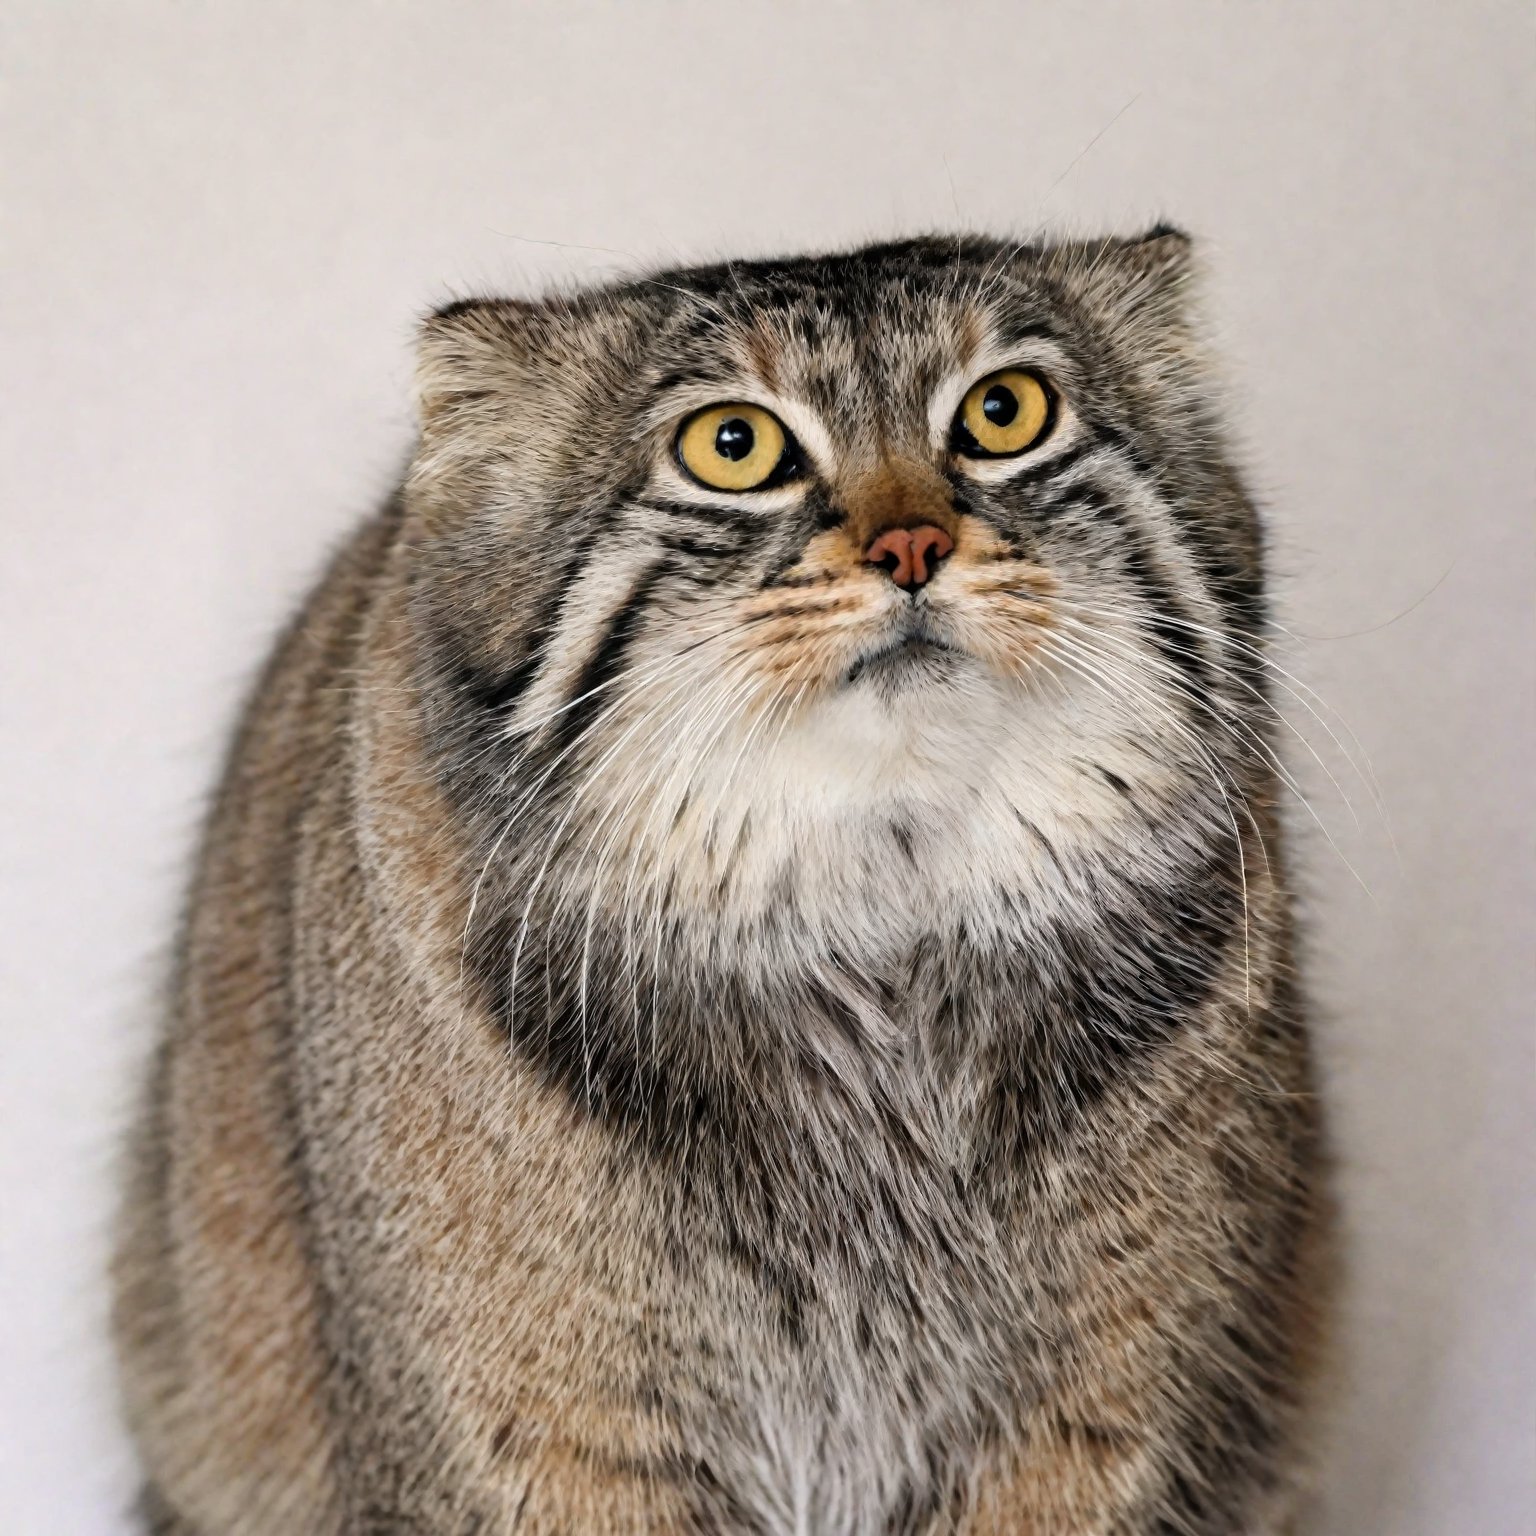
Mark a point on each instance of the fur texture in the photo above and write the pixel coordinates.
(676, 1033)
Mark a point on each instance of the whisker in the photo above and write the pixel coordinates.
(1190, 739)
(1177, 681)
(554, 839)
(728, 692)
(1172, 678)
(1149, 666)
(1302, 692)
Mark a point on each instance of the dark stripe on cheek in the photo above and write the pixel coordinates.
(1178, 646)
(738, 520)
(699, 549)
(1237, 584)
(1048, 469)
(816, 514)
(1239, 588)
(592, 687)
(496, 691)
(494, 687)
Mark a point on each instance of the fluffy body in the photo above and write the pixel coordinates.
(675, 1033)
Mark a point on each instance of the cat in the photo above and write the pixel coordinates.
(741, 976)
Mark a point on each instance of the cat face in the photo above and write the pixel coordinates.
(930, 543)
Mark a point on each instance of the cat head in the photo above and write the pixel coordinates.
(930, 545)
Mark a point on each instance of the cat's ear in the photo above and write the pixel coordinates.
(1165, 255)
(474, 350)
(1150, 278)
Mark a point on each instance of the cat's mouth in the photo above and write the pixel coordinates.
(914, 654)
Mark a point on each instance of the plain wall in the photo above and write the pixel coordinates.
(219, 224)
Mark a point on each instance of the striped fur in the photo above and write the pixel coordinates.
(649, 1055)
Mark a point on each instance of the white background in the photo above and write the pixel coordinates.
(219, 223)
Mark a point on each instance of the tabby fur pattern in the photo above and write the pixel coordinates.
(676, 1033)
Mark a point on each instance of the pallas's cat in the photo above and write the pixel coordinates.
(740, 975)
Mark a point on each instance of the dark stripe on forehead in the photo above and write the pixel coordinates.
(1011, 330)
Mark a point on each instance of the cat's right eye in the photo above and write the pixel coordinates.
(735, 448)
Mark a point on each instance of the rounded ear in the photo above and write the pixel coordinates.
(470, 351)
(1142, 284)
(1152, 274)
(1165, 255)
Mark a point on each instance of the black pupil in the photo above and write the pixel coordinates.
(734, 440)
(999, 405)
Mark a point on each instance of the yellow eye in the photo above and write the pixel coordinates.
(1003, 414)
(732, 447)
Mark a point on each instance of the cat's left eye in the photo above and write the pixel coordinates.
(735, 448)
(1003, 414)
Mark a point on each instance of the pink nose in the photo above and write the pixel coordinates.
(909, 556)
